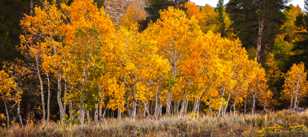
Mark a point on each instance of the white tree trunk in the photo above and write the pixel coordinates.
(7, 115)
(65, 93)
(196, 106)
(183, 107)
(296, 94)
(100, 111)
(253, 104)
(157, 103)
(96, 113)
(59, 99)
(146, 110)
(226, 107)
(220, 111)
(169, 103)
(19, 115)
(134, 109)
(176, 107)
(81, 113)
(119, 114)
(48, 97)
(88, 116)
(234, 108)
(291, 102)
(38, 72)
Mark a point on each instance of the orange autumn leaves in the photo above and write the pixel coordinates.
(117, 66)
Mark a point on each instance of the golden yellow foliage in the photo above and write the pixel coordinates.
(295, 85)
(171, 61)
(8, 88)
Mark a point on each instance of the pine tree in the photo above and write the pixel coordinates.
(256, 22)
(221, 17)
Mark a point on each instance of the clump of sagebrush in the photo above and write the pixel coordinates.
(284, 123)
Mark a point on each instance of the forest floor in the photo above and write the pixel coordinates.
(278, 124)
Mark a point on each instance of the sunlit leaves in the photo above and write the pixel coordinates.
(8, 88)
(118, 66)
(295, 85)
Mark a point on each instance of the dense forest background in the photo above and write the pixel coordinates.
(274, 34)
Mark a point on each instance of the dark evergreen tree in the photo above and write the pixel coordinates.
(155, 6)
(11, 11)
(221, 17)
(301, 46)
(256, 22)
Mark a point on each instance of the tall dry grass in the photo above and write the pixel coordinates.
(280, 124)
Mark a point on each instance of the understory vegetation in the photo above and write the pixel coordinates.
(280, 124)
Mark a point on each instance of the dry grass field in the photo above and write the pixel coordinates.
(279, 124)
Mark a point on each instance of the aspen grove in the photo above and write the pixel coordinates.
(186, 61)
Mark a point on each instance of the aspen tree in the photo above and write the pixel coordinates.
(294, 88)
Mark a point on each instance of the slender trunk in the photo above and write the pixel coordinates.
(157, 102)
(253, 104)
(245, 107)
(291, 102)
(7, 115)
(134, 104)
(220, 111)
(119, 114)
(82, 107)
(38, 72)
(104, 114)
(48, 97)
(65, 93)
(174, 73)
(226, 107)
(260, 48)
(19, 115)
(70, 105)
(296, 95)
(234, 108)
(146, 110)
(176, 107)
(169, 103)
(81, 114)
(59, 100)
(88, 116)
(100, 111)
(295, 102)
(134, 109)
(186, 107)
(96, 113)
(160, 110)
(196, 106)
(31, 7)
(183, 107)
